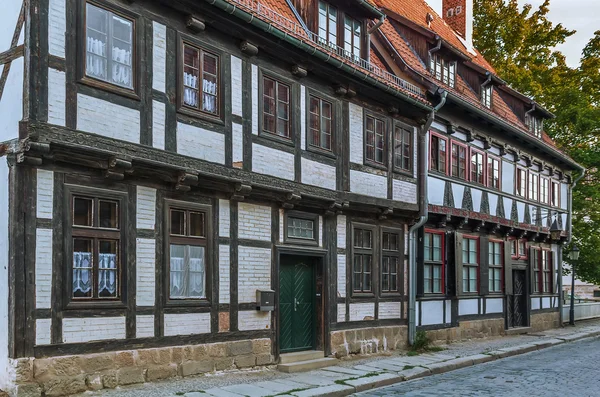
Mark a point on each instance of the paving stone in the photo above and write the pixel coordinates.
(367, 368)
(220, 392)
(329, 391)
(481, 358)
(415, 373)
(293, 384)
(278, 387)
(370, 382)
(248, 390)
(348, 371)
(312, 379)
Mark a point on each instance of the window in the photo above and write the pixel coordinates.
(403, 148)
(522, 248)
(546, 271)
(363, 260)
(443, 70)
(327, 24)
(375, 142)
(495, 264)
(96, 239)
(276, 108)
(199, 84)
(438, 154)
(544, 190)
(301, 228)
(109, 47)
(390, 261)
(493, 172)
(535, 124)
(459, 161)
(470, 264)
(535, 264)
(352, 38)
(433, 266)
(534, 181)
(320, 124)
(521, 182)
(486, 95)
(513, 248)
(477, 167)
(555, 194)
(187, 252)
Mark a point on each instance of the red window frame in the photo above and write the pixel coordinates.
(521, 186)
(533, 194)
(483, 177)
(478, 267)
(490, 171)
(443, 262)
(467, 160)
(432, 165)
(496, 266)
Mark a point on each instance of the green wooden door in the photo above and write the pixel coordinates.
(296, 304)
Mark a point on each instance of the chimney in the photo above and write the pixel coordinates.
(459, 15)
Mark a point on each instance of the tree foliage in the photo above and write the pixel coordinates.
(520, 43)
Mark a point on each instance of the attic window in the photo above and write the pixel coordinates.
(443, 70)
(536, 125)
(486, 95)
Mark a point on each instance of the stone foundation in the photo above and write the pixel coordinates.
(468, 330)
(59, 376)
(545, 321)
(368, 340)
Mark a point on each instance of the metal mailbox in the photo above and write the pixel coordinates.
(265, 300)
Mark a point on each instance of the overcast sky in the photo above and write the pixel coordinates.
(580, 15)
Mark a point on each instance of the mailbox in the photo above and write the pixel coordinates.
(265, 300)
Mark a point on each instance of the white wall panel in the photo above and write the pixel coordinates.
(187, 324)
(318, 174)
(435, 189)
(159, 56)
(468, 306)
(432, 312)
(368, 184)
(87, 329)
(108, 119)
(356, 133)
(200, 143)
(56, 97)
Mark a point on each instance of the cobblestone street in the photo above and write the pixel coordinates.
(566, 370)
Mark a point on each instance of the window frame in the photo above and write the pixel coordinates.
(82, 77)
(487, 95)
(411, 159)
(544, 192)
(472, 152)
(323, 41)
(207, 209)
(496, 266)
(291, 140)
(447, 69)
(334, 113)
(441, 264)
(374, 258)
(536, 271)
(386, 135)
(399, 255)
(305, 216)
(490, 172)
(552, 203)
(201, 47)
(470, 265)
(439, 137)
(521, 191)
(467, 161)
(352, 55)
(531, 185)
(95, 194)
(544, 272)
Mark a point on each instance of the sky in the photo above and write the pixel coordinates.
(580, 15)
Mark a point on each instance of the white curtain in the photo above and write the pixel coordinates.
(82, 272)
(187, 275)
(107, 275)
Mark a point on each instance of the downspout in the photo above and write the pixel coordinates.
(437, 47)
(527, 113)
(424, 210)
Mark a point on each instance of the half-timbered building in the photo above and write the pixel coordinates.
(191, 186)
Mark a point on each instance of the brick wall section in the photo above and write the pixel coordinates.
(57, 26)
(254, 320)
(187, 324)
(159, 56)
(144, 326)
(76, 330)
(254, 222)
(356, 134)
(389, 310)
(255, 99)
(108, 119)
(318, 174)
(56, 97)
(224, 218)
(45, 193)
(146, 207)
(303, 119)
(158, 124)
(457, 22)
(254, 272)
(341, 276)
(145, 271)
(405, 191)
(42, 331)
(362, 311)
(200, 143)
(43, 268)
(341, 231)
(237, 132)
(368, 184)
(224, 276)
(272, 162)
(237, 91)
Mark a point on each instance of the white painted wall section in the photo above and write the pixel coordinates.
(224, 218)
(535, 303)
(254, 221)
(318, 174)
(356, 133)
(159, 56)
(476, 195)
(458, 191)
(435, 189)
(507, 207)
(341, 231)
(468, 306)
(493, 305)
(389, 310)
(187, 324)
(254, 272)
(57, 93)
(146, 207)
(362, 311)
(108, 119)
(493, 200)
(254, 320)
(87, 329)
(432, 312)
(564, 196)
(237, 132)
(144, 326)
(508, 177)
(368, 184)
(200, 143)
(45, 193)
(341, 276)
(145, 271)
(57, 27)
(268, 161)
(11, 105)
(4, 272)
(405, 191)
(159, 116)
(254, 71)
(43, 331)
(237, 90)
(43, 268)
(224, 273)
(341, 312)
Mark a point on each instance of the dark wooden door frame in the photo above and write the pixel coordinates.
(509, 302)
(321, 270)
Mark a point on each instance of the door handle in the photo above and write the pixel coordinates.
(295, 304)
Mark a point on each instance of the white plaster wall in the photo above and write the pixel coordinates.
(341, 312)
(458, 192)
(145, 271)
(405, 191)
(521, 210)
(432, 312)
(460, 136)
(254, 320)
(546, 303)
(254, 99)
(477, 143)
(200, 143)
(507, 207)
(341, 275)
(43, 331)
(224, 218)
(435, 190)
(224, 273)
(448, 304)
(281, 218)
(187, 324)
(159, 115)
(368, 184)
(476, 194)
(254, 272)
(237, 132)
(493, 200)
(443, 128)
(356, 133)
(43, 268)
(45, 193)
(303, 118)
(468, 306)
(268, 161)
(144, 326)
(11, 104)
(237, 91)
(318, 174)
(341, 231)
(57, 93)
(493, 305)
(87, 329)
(57, 27)
(104, 118)
(254, 222)
(389, 310)
(146, 207)
(362, 311)
(159, 56)
(535, 303)
(508, 177)
(494, 150)
(4, 273)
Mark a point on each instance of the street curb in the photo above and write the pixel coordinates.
(458, 363)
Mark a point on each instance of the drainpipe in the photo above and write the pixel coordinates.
(424, 209)
(436, 48)
(377, 25)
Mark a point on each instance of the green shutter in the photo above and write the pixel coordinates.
(458, 262)
(484, 266)
(508, 276)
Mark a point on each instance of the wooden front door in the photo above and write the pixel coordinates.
(296, 304)
(517, 303)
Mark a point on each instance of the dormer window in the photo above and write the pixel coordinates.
(327, 23)
(443, 70)
(352, 35)
(330, 23)
(536, 125)
(486, 95)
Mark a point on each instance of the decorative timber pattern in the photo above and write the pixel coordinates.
(448, 195)
(485, 204)
(467, 203)
(500, 208)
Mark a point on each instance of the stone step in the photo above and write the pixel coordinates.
(308, 365)
(518, 331)
(306, 355)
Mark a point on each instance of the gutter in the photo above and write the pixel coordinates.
(326, 57)
(424, 210)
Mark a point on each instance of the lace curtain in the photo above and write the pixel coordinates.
(187, 272)
(190, 93)
(83, 278)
